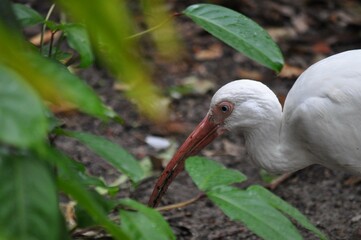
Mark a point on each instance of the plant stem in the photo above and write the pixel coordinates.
(153, 28)
(51, 43)
(181, 204)
(44, 26)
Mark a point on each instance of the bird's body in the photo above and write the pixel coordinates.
(322, 114)
(320, 122)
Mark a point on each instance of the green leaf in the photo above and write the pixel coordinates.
(23, 121)
(84, 219)
(90, 180)
(113, 153)
(109, 24)
(51, 76)
(78, 39)
(143, 223)
(285, 207)
(70, 183)
(50, 79)
(26, 15)
(208, 174)
(83, 198)
(260, 217)
(239, 32)
(29, 207)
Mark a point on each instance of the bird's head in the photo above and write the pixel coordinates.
(238, 105)
(242, 105)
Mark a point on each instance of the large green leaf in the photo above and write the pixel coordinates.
(29, 207)
(239, 32)
(70, 183)
(26, 15)
(92, 181)
(208, 174)
(285, 207)
(84, 198)
(56, 84)
(109, 32)
(142, 222)
(23, 122)
(256, 214)
(50, 79)
(113, 153)
(78, 39)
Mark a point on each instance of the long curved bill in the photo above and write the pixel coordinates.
(202, 135)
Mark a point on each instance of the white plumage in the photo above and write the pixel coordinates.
(320, 122)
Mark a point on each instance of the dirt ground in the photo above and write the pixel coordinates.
(306, 31)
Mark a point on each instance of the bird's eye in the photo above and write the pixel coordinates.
(225, 108)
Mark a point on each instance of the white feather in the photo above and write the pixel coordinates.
(320, 123)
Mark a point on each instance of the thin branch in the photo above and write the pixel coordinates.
(181, 204)
(44, 26)
(153, 28)
(51, 43)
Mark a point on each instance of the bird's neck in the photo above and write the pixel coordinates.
(266, 149)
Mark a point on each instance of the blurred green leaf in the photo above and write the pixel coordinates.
(26, 15)
(29, 205)
(23, 121)
(285, 207)
(89, 180)
(111, 152)
(239, 32)
(142, 222)
(164, 34)
(78, 39)
(53, 26)
(208, 174)
(83, 198)
(260, 217)
(50, 79)
(83, 218)
(266, 176)
(70, 183)
(109, 31)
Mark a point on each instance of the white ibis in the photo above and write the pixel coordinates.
(320, 122)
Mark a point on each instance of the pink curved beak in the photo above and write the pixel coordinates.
(202, 135)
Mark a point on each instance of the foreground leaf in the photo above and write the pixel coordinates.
(208, 174)
(239, 32)
(142, 222)
(285, 207)
(260, 217)
(26, 15)
(29, 206)
(69, 182)
(113, 153)
(109, 31)
(78, 39)
(92, 181)
(23, 122)
(51, 80)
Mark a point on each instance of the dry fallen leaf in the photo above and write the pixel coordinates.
(249, 74)
(213, 52)
(62, 107)
(36, 40)
(278, 33)
(68, 210)
(289, 71)
(121, 86)
(321, 47)
(199, 86)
